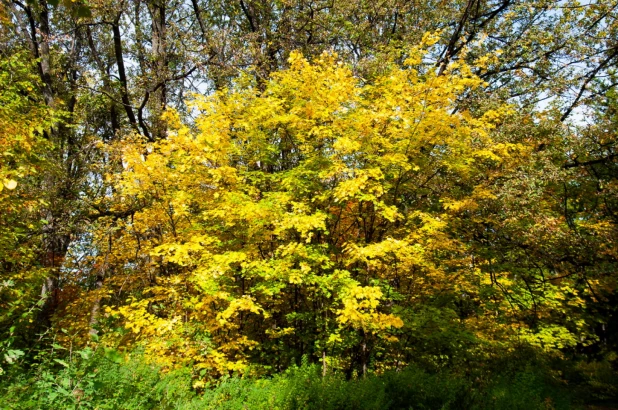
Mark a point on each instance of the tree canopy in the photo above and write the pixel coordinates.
(238, 187)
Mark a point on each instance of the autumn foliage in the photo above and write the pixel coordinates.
(391, 190)
(325, 216)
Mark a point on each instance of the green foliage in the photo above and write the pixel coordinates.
(101, 379)
(88, 379)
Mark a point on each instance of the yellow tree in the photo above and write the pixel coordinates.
(319, 217)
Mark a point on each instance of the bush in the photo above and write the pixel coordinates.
(100, 380)
(105, 380)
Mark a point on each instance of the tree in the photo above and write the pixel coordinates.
(24, 118)
(514, 221)
(323, 217)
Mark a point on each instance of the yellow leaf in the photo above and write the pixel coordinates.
(10, 183)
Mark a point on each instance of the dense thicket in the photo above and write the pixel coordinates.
(241, 187)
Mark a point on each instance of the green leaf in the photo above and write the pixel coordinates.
(12, 355)
(113, 356)
(83, 11)
(62, 362)
(85, 354)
